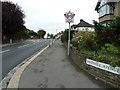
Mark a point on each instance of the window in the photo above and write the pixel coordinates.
(103, 2)
(105, 9)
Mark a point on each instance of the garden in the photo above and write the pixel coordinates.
(102, 44)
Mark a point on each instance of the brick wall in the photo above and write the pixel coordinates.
(105, 76)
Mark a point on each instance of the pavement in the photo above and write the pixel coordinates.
(52, 68)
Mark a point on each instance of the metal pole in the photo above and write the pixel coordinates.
(69, 40)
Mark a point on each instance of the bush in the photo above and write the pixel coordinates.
(109, 33)
(64, 37)
(87, 43)
(85, 40)
(74, 43)
(113, 64)
(105, 42)
(100, 58)
(110, 49)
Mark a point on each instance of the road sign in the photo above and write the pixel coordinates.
(69, 16)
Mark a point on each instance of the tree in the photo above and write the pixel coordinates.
(51, 36)
(110, 33)
(48, 35)
(115, 31)
(12, 19)
(41, 33)
(32, 33)
(23, 33)
(65, 35)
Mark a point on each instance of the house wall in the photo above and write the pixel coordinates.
(106, 18)
(111, 17)
(117, 9)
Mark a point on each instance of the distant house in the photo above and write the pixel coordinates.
(32, 34)
(107, 10)
(82, 25)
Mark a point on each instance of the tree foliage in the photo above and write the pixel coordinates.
(115, 31)
(102, 45)
(110, 33)
(41, 33)
(51, 36)
(12, 19)
(32, 33)
(23, 33)
(64, 37)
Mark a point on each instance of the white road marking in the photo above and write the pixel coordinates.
(23, 46)
(5, 51)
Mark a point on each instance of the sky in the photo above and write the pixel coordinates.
(49, 14)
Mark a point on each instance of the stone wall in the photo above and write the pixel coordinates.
(105, 76)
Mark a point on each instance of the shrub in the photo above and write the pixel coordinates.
(86, 40)
(100, 58)
(87, 43)
(105, 41)
(74, 43)
(64, 37)
(109, 33)
(113, 64)
(110, 49)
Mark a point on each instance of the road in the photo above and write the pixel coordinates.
(15, 54)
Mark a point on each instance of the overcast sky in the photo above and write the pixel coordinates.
(49, 14)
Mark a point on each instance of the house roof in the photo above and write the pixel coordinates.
(109, 1)
(98, 4)
(82, 24)
(74, 26)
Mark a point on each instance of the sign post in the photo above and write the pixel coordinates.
(69, 16)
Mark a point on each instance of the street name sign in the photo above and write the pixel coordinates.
(103, 66)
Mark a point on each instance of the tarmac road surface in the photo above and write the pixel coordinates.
(14, 54)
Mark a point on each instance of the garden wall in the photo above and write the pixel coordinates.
(105, 76)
